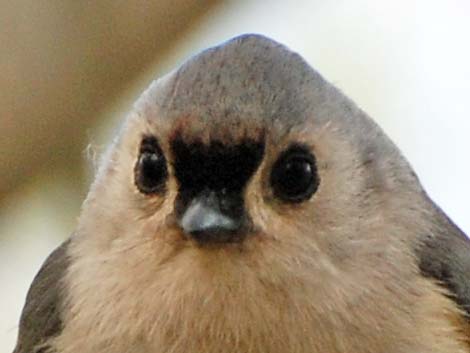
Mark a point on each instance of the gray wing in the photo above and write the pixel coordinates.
(41, 316)
(445, 256)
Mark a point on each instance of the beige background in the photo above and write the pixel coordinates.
(70, 70)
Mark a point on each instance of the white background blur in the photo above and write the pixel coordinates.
(405, 62)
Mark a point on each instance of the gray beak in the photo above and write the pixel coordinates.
(205, 220)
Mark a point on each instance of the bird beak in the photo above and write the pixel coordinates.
(205, 220)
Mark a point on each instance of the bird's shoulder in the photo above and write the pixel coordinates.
(444, 256)
(41, 315)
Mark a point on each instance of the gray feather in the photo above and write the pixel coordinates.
(444, 255)
(41, 316)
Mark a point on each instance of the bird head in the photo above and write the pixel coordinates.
(243, 174)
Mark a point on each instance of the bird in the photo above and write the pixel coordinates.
(247, 205)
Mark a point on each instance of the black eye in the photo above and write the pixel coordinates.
(150, 169)
(294, 176)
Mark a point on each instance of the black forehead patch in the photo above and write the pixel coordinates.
(217, 165)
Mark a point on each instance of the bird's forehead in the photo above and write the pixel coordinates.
(238, 89)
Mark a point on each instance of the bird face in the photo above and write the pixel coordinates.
(245, 155)
(241, 175)
(212, 181)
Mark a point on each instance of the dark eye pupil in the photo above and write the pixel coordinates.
(150, 170)
(294, 177)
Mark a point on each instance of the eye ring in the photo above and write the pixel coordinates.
(294, 176)
(150, 171)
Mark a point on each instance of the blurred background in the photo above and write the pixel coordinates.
(70, 70)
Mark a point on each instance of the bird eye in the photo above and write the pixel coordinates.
(294, 176)
(150, 169)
